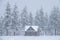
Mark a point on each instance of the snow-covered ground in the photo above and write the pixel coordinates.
(29, 37)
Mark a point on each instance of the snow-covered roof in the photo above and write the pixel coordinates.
(26, 27)
(34, 27)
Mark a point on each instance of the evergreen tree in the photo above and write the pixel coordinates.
(24, 17)
(39, 20)
(30, 19)
(54, 21)
(7, 20)
(46, 24)
(1, 26)
(24, 20)
(15, 22)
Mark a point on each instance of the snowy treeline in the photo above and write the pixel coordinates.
(13, 24)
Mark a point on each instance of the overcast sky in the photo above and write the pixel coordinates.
(32, 5)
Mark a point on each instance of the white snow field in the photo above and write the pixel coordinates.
(29, 37)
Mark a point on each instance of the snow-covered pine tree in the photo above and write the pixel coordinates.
(15, 21)
(1, 26)
(39, 20)
(46, 24)
(30, 19)
(24, 19)
(54, 21)
(7, 20)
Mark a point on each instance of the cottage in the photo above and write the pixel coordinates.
(31, 30)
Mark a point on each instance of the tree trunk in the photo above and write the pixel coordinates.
(55, 31)
(6, 32)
